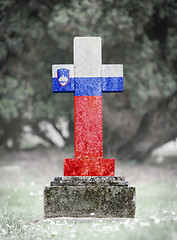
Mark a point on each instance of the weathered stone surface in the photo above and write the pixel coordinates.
(89, 197)
(85, 181)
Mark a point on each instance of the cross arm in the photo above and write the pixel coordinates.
(112, 77)
(68, 74)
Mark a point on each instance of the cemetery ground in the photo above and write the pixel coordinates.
(23, 176)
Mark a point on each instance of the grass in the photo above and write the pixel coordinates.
(21, 216)
(21, 202)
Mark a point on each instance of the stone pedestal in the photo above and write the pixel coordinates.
(89, 197)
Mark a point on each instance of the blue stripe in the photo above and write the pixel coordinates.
(68, 88)
(90, 86)
(112, 84)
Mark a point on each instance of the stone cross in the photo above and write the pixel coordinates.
(88, 78)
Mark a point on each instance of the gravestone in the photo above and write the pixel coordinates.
(89, 187)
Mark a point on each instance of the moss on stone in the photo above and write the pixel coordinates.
(80, 201)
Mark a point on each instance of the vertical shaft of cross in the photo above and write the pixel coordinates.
(88, 108)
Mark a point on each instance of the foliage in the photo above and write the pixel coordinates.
(35, 34)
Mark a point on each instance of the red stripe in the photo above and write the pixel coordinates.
(88, 126)
(88, 159)
(89, 167)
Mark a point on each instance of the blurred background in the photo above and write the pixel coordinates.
(141, 35)
(37, 126)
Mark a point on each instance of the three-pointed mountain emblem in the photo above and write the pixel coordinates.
(63, 76)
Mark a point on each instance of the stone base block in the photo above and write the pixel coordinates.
(89, 197)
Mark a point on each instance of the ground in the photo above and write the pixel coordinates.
(23, 176)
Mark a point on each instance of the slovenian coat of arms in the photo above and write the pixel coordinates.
(63, 76)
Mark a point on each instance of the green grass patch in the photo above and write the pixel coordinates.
(21, 216)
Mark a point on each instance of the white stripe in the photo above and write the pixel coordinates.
(112, 70)
(58, 66)
(87, 56)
